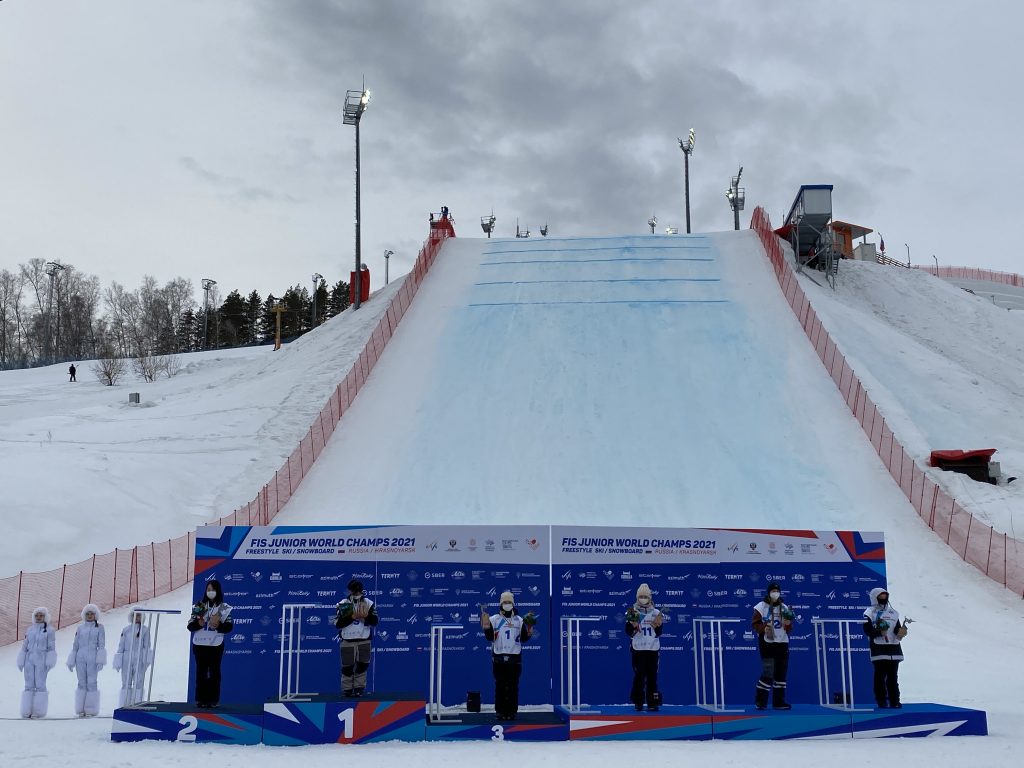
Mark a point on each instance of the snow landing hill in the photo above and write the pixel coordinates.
(637, 380)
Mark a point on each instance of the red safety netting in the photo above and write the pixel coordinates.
(973, 273)
(999, 556)
(126, 576)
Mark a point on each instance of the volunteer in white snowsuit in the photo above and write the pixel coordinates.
(355, 618)
(209, 622)
(88, 656)
(38, 655)
(643, 626)
(507, 631)
(772, 621)
(883, 626)
(132, 659)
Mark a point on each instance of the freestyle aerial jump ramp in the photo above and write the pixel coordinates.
(641, 379)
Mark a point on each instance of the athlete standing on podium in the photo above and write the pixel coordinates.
(643, 627)
(507, 631)
(355, 619)
(772, 621)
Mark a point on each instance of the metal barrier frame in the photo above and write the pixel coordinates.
(715, 650)
(845, 663)
(569, 661)
(437, 670)
(291, 646)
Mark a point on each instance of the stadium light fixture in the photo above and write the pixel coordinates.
(387, 256)
(317, 277)
(207, 287)
(687, 147)
(652, 222)
(487, 224)
(737, 197)
(356, 103)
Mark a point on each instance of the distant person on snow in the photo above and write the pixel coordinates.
(71, 371)
(38, 655)
(882, 624)
(132, 659)
(88, 656)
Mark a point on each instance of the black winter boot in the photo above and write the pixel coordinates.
(779, 698)
(761, 697)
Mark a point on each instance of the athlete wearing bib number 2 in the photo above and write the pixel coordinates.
(772, 621)
(506, 631)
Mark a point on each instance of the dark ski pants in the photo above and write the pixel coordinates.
(208, 658)
(887, 686)
(355, 660)
(645, 677)
(774, 668)
(507, 670)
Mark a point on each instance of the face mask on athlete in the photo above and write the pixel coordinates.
(357, 596)
(774, 595)
(643, 600)
(883, 601)
(212, 594)
(506, 607)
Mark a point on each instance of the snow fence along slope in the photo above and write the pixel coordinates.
(125, 576)
(998, 555)
(642, 380)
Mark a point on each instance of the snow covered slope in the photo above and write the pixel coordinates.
(699, 402)
(944, 367)
(656, 380)
(96, 473)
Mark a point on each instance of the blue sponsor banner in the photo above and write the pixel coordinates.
(421, 576)
(417, 575)
(712, 574)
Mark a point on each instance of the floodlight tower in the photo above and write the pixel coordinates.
(53, 269)
(387, 255)
(652, 222)
(317, 277)
(487, 224)
(544, 231)
(355, 105)
(207, 286)
(737, 197)
(687, 147)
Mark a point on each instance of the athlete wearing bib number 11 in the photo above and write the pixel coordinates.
(506, 631)
(643, 627)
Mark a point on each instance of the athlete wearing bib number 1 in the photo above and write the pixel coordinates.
(506, 631)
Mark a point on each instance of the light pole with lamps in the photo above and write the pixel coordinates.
(207, 285)
(908, 254)
(652, 222)
(317, 277)
(487, 224)
(355, 105)
(53, 269)
(737, 197)
(387, 256)
(687, 147)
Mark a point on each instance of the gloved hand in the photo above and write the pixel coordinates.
(117, 661)
(21, 667)
(71, 667)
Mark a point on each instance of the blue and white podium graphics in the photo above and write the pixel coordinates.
(418, 576)
(710, 579)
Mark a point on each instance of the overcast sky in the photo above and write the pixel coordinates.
(204, 139)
